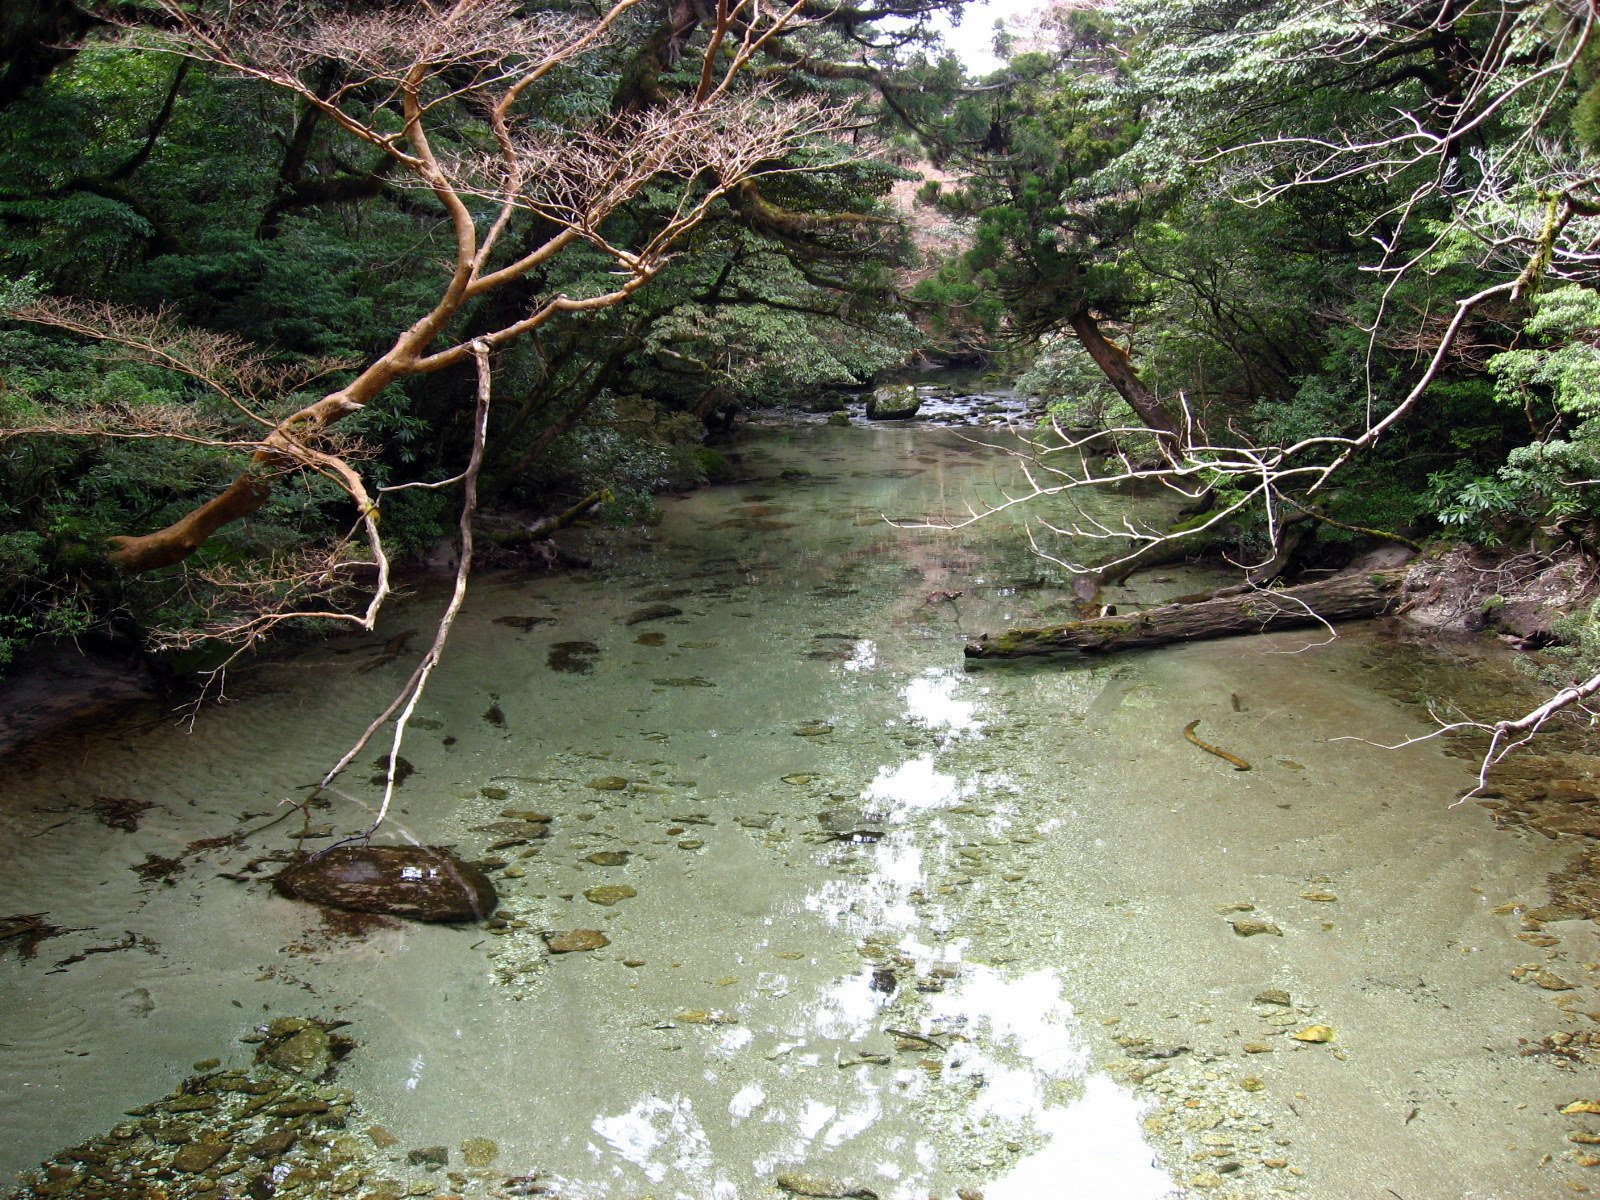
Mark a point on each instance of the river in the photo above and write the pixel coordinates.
(1021, 972)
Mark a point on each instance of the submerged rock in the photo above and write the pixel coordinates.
(573, 658)
(298, 1047)
(652, 612)
(1250, 927)
(480, 1151)
(799, 1183)
(851, 825)
(574, 941)
(421, 883)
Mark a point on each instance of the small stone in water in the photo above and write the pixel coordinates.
(798, 1184)
(1315, 1034)
(575, 940)
(495, 792)
(1550, 981)
(798, 780)
(609, 894)
(1581, 1106)
(200, 1156)
(705, 1016)
(480, 1152)
(690, 844)
(652, 612)
(814, 729)
(429, 1156)
(609, 858)
(609, 783)
(1274, 996)
(1319, 895)
(1250, 927)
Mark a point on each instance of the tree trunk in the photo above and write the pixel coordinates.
(1346, 597)
(1113, 360)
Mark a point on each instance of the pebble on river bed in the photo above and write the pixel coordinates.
(574, 941)
(1250, 927)
(609, 894)
(652, 612)
(797, 1183)
(479, 1151)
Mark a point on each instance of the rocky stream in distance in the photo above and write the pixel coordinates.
(792, 903)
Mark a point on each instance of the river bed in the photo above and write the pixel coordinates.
(896, 927)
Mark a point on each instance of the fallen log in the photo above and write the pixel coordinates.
(1346, 597)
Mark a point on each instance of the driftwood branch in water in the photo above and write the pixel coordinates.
(1239, 764)
(543, 529)
(1347, 597)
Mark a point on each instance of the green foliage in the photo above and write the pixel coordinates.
(1563, 366)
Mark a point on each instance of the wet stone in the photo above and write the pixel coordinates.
(524, 623)
(199, 1156)
(609, 858)
(1274, 996)
(274, 1145)
(1250, 927)
(609, 783)
(403, 770)
(429, 1156)
(609, 894)
(575, 941)
(851, 825)
(652, 612)
(420, 883)
(297, 1047)
(479, 1151)
(572, 658)
(820, 1187)
(1315, 1034)
(705, 1016)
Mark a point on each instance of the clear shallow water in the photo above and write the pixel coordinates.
(981, 995)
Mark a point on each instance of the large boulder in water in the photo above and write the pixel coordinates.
(894, 402)
(421, 883)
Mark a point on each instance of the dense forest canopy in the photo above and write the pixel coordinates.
(1330, 268)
